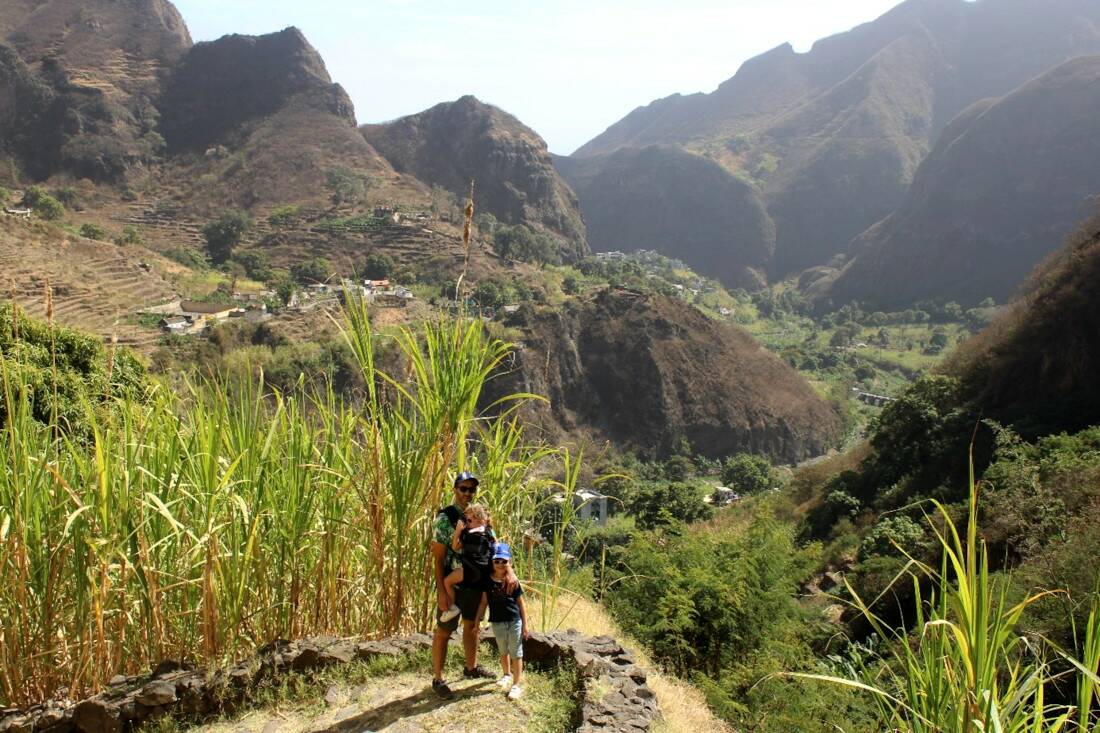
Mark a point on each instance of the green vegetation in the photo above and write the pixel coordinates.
(192, 526)
(44, 205)
(378, 266)
(188, 257)
(93, 231)
(521, 243)
(346, 186)
(747, 473)
(315, 270)
(284, 215)
(256, 264)
(223, 235)
(130, 237)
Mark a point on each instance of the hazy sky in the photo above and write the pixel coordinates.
(567, 68)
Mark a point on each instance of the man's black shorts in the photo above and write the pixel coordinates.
(467, 601)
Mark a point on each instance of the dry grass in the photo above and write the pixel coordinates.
(683, 706)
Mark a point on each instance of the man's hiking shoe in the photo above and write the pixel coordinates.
(478, 672)
(449, 614)
(515, 693)
(505, 682)
(440, 688)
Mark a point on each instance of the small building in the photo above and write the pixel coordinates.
(19, 213)
(590, 506)
(209, 312)
(175, 324)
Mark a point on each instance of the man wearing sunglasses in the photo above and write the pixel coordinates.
(468, 599)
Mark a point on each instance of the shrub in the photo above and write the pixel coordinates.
(284, 215)
(93, 231)
(67, 196)
(889, 534)
(658, 504)
(256, 264)
(188, 257)
(130, 236)
(316, 270)
(378, 266)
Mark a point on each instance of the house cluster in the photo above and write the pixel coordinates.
(379, 292)
(189, 317)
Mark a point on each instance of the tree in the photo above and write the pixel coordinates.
(657, 504)
(256, 264)
(520, 243)
(378, 266)
(345, 185)
(316, 270)
(939, 339)
(48, 208)
(93, 231)
(570, 284)
(223, 235)
(747, 473)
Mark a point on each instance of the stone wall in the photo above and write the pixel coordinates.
(626, 704)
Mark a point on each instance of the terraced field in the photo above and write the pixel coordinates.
(95, 285)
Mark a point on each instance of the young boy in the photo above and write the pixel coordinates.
(473, 541)
(508, 616)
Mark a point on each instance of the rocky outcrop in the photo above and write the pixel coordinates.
(225, 83)
(627, 703)
(467, 140)
(834, 136)
(677, 203)
(649, 372)
(1007, 180)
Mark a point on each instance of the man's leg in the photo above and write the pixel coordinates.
(439, 651)
(471, 636)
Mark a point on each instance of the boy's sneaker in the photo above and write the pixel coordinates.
(505, 682)
(440, 688)
(515, 693)
(449, 614)
(478, 672)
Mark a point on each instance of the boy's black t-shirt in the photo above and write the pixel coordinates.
(502, 606)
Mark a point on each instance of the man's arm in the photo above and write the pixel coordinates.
(523, 616)
(439, 556)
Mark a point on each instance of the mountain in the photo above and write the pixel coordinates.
(1005, 183)
(663, 197)
(76, 80)
(648, 372)
(832, 138)
(454, 143)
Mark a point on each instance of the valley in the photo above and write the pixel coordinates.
(772, 384)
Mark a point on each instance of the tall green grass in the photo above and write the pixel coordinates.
(196, 526)
(968, 666)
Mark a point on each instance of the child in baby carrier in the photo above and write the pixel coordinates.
(473, 543)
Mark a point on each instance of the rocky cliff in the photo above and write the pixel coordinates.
(648, 372)
(456, 142)
(677, 203)
(76, 80)
(1005, 183)
(225, 83)
(833, 137)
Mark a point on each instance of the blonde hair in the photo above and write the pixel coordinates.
(477, 511)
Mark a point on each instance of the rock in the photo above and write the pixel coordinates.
(15, 723)
(333, 696)
(272, 726)
(157, 693)
(97, 716)
(170, 666)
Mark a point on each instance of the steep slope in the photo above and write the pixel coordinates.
(669, 200)
(94, 67)
(647, 372)
(1003, 186)
(456, 142)
(833, 137)
(1035, 367)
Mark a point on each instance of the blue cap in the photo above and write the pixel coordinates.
(501, 551)
(466, 476)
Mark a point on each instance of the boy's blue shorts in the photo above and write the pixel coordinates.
(509, 636)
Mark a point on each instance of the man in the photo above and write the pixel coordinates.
(467, 599)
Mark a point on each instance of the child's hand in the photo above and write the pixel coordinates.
(460, 526)
(526, 634)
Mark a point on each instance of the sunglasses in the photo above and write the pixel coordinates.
(499, 561)
(471, 490)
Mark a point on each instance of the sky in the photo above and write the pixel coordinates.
(568, 68)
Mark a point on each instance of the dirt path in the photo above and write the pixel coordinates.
(400, 704)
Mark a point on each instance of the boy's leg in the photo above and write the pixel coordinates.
(517, 670)
(506, 663)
